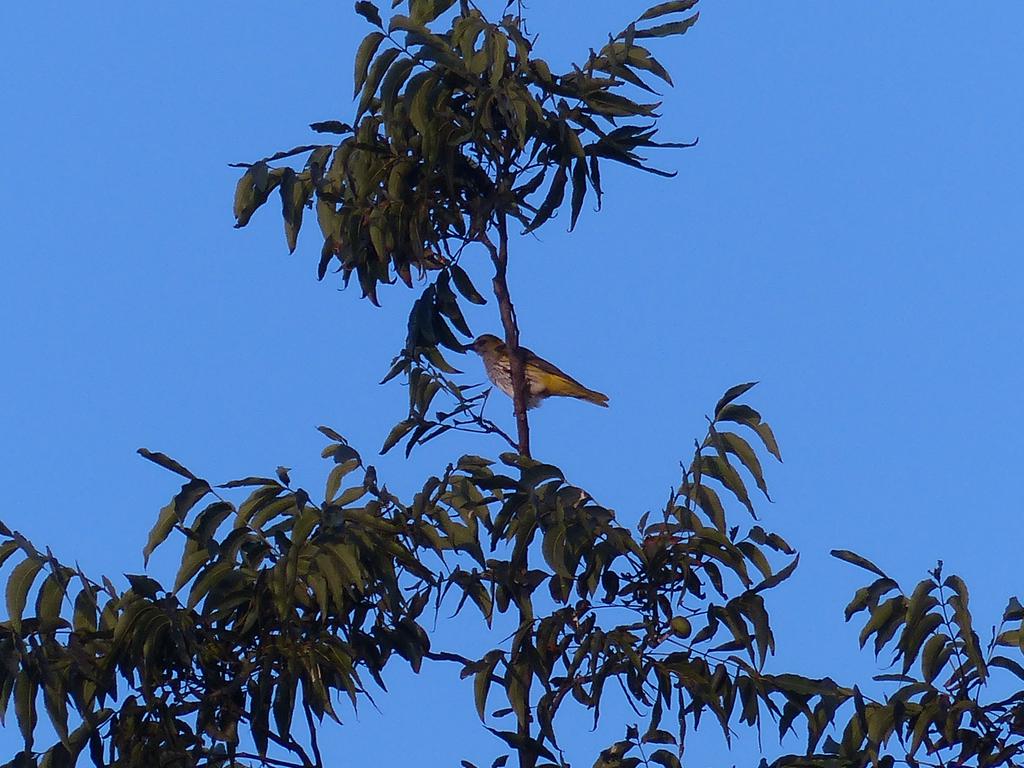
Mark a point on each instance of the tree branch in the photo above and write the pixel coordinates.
(499, 255)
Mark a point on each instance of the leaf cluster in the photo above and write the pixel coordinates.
(940, 709)
(459, 127)
(279, 607)
(282, 607)
(454, 126)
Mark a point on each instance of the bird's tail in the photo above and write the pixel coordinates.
(566, 386)
(591, 396)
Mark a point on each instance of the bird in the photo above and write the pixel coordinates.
(543, 379)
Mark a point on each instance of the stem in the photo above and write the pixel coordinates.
(499, 256)
(948, 626)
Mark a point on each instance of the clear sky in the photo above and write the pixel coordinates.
(848, 232)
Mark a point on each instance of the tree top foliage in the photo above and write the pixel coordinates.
(460, 129)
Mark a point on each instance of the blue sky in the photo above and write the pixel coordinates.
(848, 232)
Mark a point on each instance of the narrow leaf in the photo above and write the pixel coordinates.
(175, 512)
(364, 55)
(369, 12)
(731, 394)
(671, 28)
(579, 190)
(377, 69)
(855, 559)
(334, 126)
(166, 462)
(663, 9)
(465, 285)
(400, 430)
(18, 585)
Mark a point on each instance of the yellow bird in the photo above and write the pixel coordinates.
(542, 378)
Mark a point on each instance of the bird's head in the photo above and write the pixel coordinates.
(486, 344)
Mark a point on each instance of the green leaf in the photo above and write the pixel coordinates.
(958, 601)
(18, 585)
(748, 417)
(882, 616)
(364, 55)
(8, 548)
(855, 559)
(84, 619)
(525, 743)
(497, 53)
(579, 190)
(330, 433)
(773, 540)
(284, 704)
(425, 11)
(55, 701)
(377, 69)
(419, 95)
(393, 80)
(553, 549)
(804, 686)
(777, 578)
(448, 305)
(1010, 664)
(611, 105)
(400, 430)
(671, 28)
(432, 47)
(482, 682)
(295, 191)
(530, 186)
(465, 285)
(336, 126)
(934, 657)
(253, 189)
(725, 473)
(1014, 610)
(369, 12)
(208, 580)
(663, 9)
(655, 736)
(144, 585)
(914, 634)
(245, 199)
(25, 690)
(665, 758)
(166, 462)
(250, 481)
(49, 601)
(731, 394)
(536, 474)
(868, 596)
(638, 58)
(556, 193)
(740, 448)
(191, 563)
(708, 500)
(337, 474)
(174, 513)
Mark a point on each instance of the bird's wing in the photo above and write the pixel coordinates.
(549, 368)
